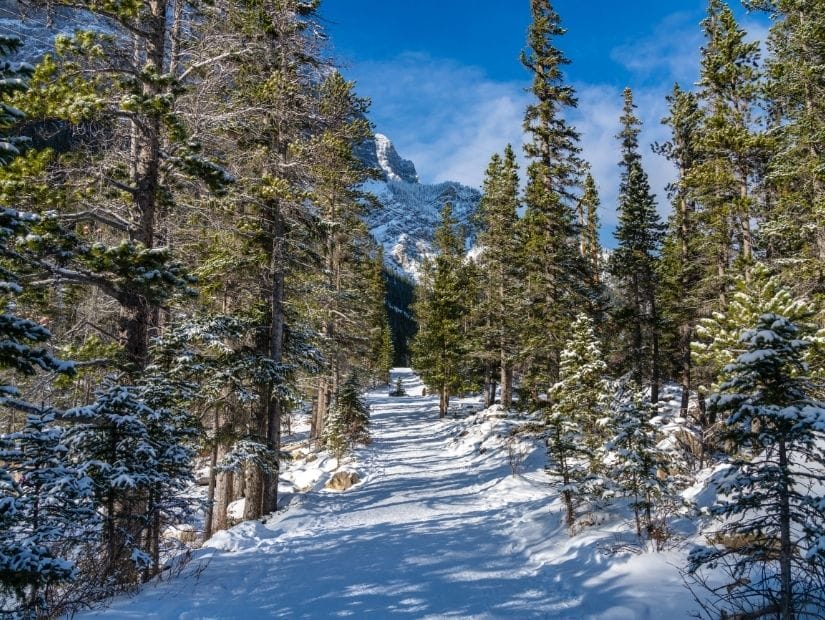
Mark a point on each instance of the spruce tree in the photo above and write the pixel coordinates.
(634, 262)
(682, 265)
(349, 420)
(633, 460)
(438, 350)
(47, 516)
(499, 269)
(555, 277)
(575, 416)
(769, 540)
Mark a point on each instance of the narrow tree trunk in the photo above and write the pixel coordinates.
(210, 494)
(506, 383)
(785, 545)
(685, 378)
(253, 491)
(654, 336)
(745, 228)
(223, 497)
(444, 404)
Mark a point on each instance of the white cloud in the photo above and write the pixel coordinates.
(447, 117)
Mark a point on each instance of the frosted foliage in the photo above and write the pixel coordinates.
(770, 497)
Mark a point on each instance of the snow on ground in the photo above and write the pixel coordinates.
(438, 527)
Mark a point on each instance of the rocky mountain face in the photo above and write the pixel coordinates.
(410, 211)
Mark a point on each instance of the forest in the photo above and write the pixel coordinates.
(186, 273)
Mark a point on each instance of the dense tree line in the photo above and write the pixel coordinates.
(725, 299)
(197, 252)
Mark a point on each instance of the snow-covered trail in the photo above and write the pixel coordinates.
(437, 529)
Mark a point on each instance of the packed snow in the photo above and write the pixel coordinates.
(437, 527)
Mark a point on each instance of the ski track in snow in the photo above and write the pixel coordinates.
(434, 530)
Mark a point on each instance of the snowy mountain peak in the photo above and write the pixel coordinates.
(379, 152)
(410, 211)
(396, 168)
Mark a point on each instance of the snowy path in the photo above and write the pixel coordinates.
(435, 530)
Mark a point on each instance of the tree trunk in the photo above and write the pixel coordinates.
(785, 545)
(210, 494)
(685, 338)
(253, 491)
(444, 402)
(224, 485)
(506, 384)
(654, 336)
(745, 227)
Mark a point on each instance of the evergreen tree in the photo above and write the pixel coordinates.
(439, 347)
(133, 446)
(556, 279)
(792, 233)
(717, 341)
(349, 420)
(770, 541)
(336, 176)
(499, 269)
(46, 513)
(633, 460)
(381, 354)
(269, 249)
(725, 179)
(578, 408)
(634, 262)
(682, 265)
(589, 245)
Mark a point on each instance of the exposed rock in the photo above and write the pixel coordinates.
(379, 153)
(410, 214)
(342, 480)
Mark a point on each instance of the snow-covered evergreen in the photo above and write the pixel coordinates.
(769, 540)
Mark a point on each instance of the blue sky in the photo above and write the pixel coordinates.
(448, 89)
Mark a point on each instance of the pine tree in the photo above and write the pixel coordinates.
(717, 342)
(589, 244)
(336, 176)
(578, 408)
(46, 513)
(267, 116)
(499, 269)
(440, 309)
(682, 265)
(792, 234)
(633, 460)
(634, 262)
(769, 542)
(725, 179)
(380, 353)
(556, 279)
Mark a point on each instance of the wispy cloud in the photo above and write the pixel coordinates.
(447, 117)
(670, 53)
